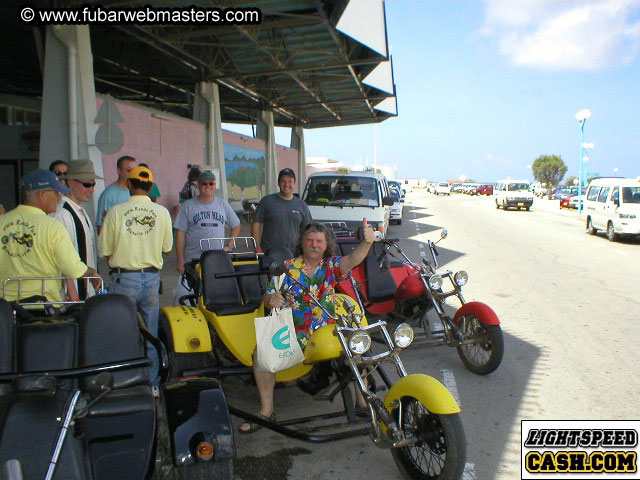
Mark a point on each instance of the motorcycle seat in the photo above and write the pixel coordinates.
(381, 286)
(222, 296)
(124, 402)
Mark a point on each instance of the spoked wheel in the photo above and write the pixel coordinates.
(440, 450)
(485, 355)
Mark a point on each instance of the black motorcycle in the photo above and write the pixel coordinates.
(76, 401)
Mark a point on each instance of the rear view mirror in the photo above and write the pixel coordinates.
(444, 233)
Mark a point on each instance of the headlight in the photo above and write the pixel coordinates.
(461, 278)
(435, 282)
(403, 335)
(359, 342)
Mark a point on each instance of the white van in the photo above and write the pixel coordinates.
(348, 197)
(442, 188)
(613, 205)
(513, 193)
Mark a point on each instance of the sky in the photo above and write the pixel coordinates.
(485, 87)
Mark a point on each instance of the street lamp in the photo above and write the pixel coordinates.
(581, 116)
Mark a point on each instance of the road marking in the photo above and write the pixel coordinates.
(469, 472)
(449, 381)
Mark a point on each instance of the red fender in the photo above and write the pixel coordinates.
(482, 311)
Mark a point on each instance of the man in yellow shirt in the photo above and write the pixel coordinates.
(134, 236)
(35, 245)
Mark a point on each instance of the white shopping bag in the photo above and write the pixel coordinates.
(276, 345)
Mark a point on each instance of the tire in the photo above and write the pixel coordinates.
(484, 357)
(400, 222)
(497, 205)
(590, 229)
(504, 206)
(527, 208)
(440, 452)
(179, 362)
(612, 236)
(212, 470)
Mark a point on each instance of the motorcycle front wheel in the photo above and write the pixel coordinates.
(440, 451)
(484, 356)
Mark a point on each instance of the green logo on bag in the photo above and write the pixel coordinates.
(280, 339)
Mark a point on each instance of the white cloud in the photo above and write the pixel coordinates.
(565, 34)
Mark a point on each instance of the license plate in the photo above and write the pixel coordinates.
(521, 204)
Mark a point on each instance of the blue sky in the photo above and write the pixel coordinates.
(485, 87)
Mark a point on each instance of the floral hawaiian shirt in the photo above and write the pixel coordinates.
(307, 316)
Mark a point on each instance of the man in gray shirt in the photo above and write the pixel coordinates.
(282, 215)
(201, 217)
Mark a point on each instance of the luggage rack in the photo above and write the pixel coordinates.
(242, 246)
(340, 229)
(20, 280)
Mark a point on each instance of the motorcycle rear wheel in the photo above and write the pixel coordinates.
(440, 452)
(481, 357)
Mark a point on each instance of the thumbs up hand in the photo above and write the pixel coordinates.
(367, 232)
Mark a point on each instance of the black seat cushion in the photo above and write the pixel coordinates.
(381, 286)
(124, 401)
(252, 287)
(7, 333)
(47, 346)
(218, 292)
(109, 333)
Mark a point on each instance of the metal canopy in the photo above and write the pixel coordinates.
(295, 62)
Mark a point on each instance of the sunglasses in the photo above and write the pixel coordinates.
(87, 184)
(59, 173)
(208, 184)
(318, 227)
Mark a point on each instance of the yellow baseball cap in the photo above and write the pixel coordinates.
(141, 173)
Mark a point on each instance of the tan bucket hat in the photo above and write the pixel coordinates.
(81, 170)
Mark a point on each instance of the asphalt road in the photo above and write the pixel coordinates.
(568, 303)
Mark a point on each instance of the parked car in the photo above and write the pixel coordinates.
(564, 192)
(442, 188)
(565, 202)
(346, 196)
(484, 190)
(613, 205)
(457, 188)
(576, 200)
(396, 208)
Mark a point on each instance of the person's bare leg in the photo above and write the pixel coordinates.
(266, 382)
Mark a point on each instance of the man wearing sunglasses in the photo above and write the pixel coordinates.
(204, 216)
(81, 179)
(35, 245)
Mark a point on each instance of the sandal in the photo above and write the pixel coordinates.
(254, 427)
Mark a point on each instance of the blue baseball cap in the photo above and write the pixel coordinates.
(41, 179)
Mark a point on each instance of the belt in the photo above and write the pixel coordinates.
(141, 270)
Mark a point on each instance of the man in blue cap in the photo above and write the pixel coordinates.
(35, 245)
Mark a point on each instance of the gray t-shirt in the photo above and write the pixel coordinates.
(282, 220)
(204, 220)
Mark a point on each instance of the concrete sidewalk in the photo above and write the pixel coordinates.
(553, 206)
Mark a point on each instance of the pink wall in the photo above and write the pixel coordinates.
(169, 144)
(166, 144)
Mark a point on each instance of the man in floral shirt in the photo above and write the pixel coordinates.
(317, 269)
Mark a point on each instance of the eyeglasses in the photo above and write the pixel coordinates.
(318, 227)
(87, 184)
(59, 173)
(208, 184)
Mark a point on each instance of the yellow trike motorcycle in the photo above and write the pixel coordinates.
(417, 419)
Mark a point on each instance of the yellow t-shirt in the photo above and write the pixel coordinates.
(35, 245)
(135, 233)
